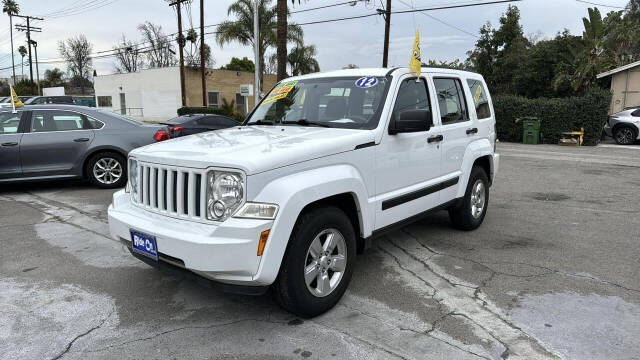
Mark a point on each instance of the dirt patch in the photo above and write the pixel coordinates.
(549, 196)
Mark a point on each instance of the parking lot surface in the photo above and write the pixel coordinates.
(552, 273)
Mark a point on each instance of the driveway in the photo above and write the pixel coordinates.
(552, 273)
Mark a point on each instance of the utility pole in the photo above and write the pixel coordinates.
(387, 25)
(202, 52)
(256, 50)
(29, 29)
(35, 48)
(183, 92)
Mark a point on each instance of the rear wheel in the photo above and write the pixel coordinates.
(624, 135)
(470, 213)
(107, 170)
(318, 264)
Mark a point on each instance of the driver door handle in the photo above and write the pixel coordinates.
(436, 138)
(10, 144)
(81, 139)
(472, 131)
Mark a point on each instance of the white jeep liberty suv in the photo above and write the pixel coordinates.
(324, 163)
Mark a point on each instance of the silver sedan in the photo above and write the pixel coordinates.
(67, 141)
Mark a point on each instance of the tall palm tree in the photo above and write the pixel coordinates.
(23, 52)
(302, 60)
(10, 7)
(281, 47)
(241, 29)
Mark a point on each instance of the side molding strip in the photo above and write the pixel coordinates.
(388, 204)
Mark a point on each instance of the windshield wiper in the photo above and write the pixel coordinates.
(305, 122)
(261, 122)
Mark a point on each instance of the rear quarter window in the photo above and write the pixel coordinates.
(480, 99)
(636, 113)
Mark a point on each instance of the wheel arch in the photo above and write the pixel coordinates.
(625, 124)
(337, 185)
(480, 153)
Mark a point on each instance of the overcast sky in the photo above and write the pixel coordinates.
(356, 41)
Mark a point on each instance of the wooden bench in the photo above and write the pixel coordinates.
(572, 138)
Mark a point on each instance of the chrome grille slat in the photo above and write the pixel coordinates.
(170, 190)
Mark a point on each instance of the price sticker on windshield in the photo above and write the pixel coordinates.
(279, 92)
(367, 82)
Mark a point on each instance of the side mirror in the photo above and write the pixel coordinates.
(411, 121)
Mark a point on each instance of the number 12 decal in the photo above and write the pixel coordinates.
(367, 82)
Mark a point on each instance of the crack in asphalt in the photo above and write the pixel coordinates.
(547, 270)
(70, 344)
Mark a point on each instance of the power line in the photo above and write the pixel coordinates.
(352, 3)
(603, 5)
(441, 21)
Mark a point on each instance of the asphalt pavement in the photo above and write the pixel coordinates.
(552, 273)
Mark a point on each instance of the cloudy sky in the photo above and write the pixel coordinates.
(445, 34)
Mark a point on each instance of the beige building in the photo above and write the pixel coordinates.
(625, 86)
(154, 94)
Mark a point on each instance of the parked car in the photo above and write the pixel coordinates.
(67, 141)
(624, 126)
(36, 100)
(323, 164)
(197, 123)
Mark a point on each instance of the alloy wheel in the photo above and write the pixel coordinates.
(478, 199)
(325, 262)
(624, 136)
(107, 171)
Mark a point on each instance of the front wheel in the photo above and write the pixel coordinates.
(470, 213)
(318, 264)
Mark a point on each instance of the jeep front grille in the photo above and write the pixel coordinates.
(173, 191)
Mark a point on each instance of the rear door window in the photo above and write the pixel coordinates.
(9, 122)
(451, 100)
(56, 120)
(480, 99)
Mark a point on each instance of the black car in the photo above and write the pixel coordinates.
(36, 100)
(197, 123)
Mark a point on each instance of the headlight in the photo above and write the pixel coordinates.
(257, 211)
(133, 177)
(225, 194)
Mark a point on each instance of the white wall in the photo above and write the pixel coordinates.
(155, 91)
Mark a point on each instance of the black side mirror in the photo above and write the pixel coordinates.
(411, 121)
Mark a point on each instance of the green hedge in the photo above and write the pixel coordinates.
(208, 110)
(557, 116)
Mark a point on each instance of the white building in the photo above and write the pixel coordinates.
(150, 95)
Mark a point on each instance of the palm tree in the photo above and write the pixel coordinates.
(23, 52)
(241, 30)
(302, 60)
(281, 48)
(10, 7)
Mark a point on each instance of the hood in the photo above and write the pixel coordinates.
(253, 149)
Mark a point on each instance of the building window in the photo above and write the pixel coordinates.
(214, 99)
(104, 101)
(240, 104)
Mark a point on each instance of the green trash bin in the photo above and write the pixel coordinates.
(531, 130)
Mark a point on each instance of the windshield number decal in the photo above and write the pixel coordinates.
(367, 82)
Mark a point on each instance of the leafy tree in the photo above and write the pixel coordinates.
(24, 86)
(53, 77)
(160, 52)
(128, 57)
(241, 29)
(302, 60)
(455, 64)
(482, 58)
(511, 46)
(76, 51)
(237, 64)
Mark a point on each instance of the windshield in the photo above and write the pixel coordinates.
(340, 102)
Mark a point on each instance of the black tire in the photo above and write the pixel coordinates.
(107, 156)
(290, 288)
(462, 215)
(625, 135)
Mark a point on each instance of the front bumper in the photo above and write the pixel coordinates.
(225, 252)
